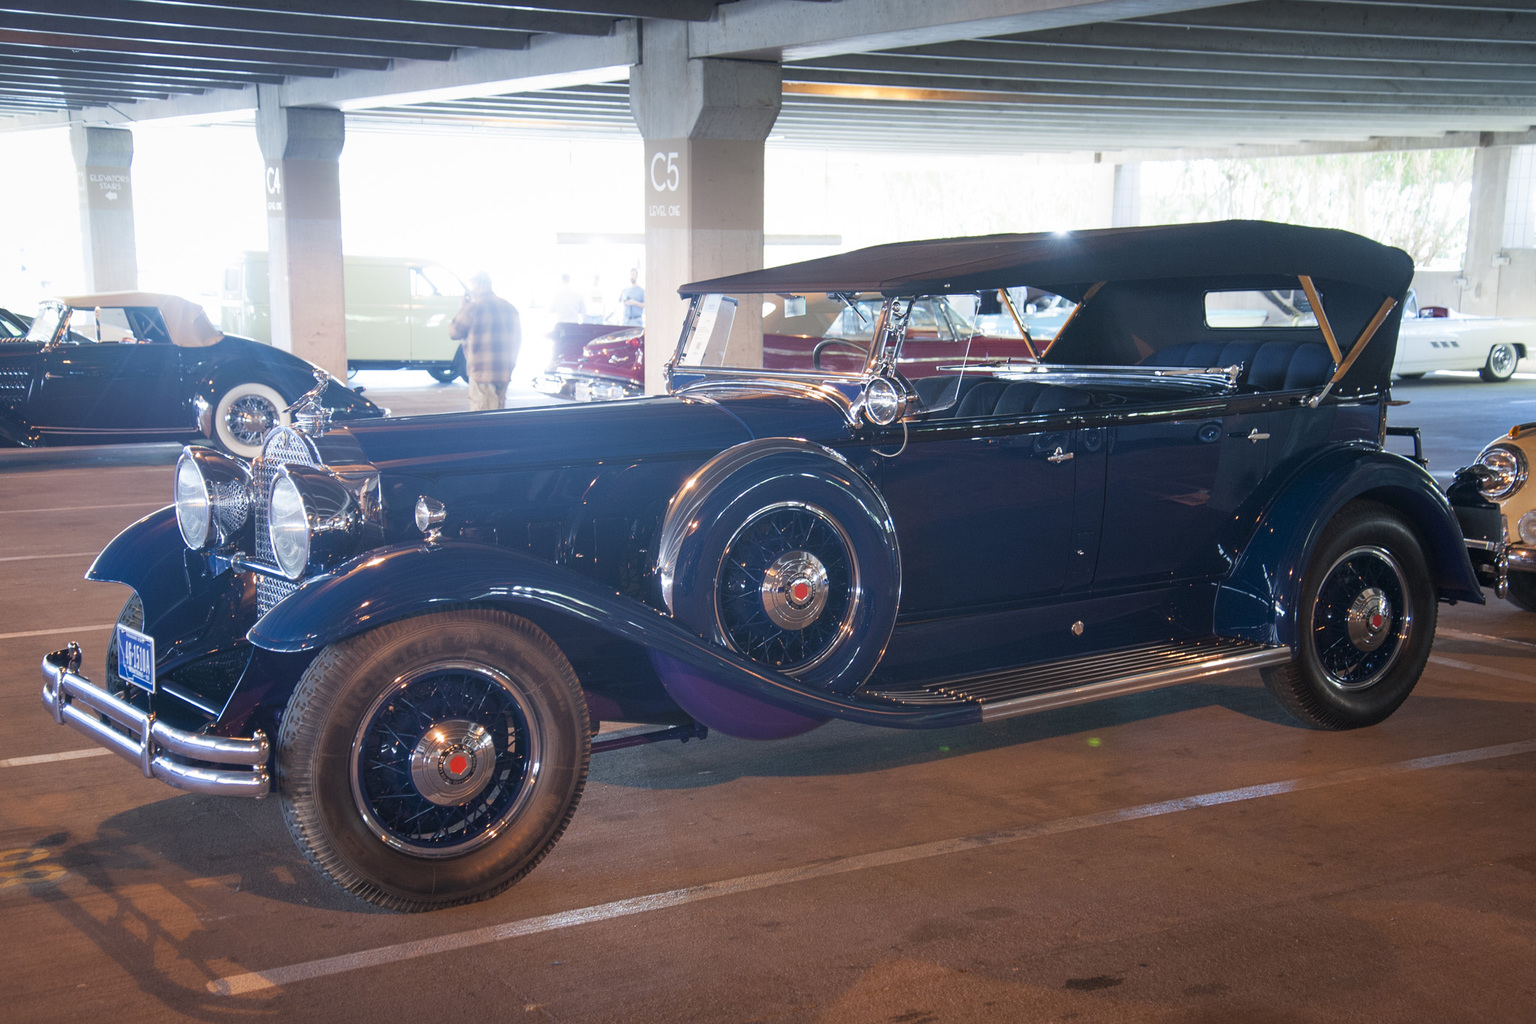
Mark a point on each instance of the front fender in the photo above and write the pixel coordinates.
(1257, 600)
(408, 580)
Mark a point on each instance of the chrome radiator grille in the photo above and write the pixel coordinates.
(283, 447)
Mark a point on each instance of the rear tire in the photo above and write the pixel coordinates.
(434, 761)
(1502, 360)
(1365, 625)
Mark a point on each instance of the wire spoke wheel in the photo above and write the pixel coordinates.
(250, 417)
(1365, 624)
(1361, 619)
(788, 587)
(445, 759)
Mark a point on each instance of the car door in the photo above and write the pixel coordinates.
(111, 384)
(436, 297)
(1172, 485)
(983, 504)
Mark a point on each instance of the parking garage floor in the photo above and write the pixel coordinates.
(1187, 854)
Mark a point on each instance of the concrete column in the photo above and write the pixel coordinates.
(302, 147)
(1126, 209)
(704, 123)
(103, 162)
(1485, 231)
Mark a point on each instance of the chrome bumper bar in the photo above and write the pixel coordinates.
(158, 749)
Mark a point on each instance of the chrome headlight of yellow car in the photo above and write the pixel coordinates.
(1507, 468)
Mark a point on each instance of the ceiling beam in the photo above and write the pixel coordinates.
(83, 33)
(134, 48)
(898, 70)
(446, 24)
(1366, 21)
(772, 29)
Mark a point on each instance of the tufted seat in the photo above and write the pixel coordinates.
(1268, 365)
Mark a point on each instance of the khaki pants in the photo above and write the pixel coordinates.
(487, 396)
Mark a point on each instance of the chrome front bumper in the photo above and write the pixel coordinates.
(160, 751)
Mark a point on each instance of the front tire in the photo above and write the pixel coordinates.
(1522, 590)
(244, 415)
(1366, 621)
(1502, 360)
(434, 761)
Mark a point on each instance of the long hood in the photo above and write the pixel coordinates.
(555, 435)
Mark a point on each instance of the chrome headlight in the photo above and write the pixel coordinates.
(213, 497)
(1506, 468)
(883, 402)
(311, 517)
(1527, 528)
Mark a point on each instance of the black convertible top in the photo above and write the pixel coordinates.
(1070, 263)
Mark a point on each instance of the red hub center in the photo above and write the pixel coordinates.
(800, 590)
(458, 764)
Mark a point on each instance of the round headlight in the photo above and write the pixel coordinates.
(1527, 528)
(883, 402)
(1507, 467)
(194, 513)
(288, 527)
(213, 497)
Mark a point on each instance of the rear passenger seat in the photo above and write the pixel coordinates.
(1268, 365)
(989, 396)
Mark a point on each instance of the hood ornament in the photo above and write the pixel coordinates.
(309, 416)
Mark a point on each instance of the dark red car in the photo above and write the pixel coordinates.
(826, 333)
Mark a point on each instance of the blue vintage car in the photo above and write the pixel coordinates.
(141, 366)
(411, 630)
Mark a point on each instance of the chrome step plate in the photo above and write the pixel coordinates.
(1021, 691)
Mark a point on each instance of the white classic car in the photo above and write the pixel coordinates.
(1439, 338)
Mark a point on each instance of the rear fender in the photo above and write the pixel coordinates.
(1258, 599)
(400, 582)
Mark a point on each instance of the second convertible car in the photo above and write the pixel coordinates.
(139, 366)
(411, 629)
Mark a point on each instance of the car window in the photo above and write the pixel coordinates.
(108, 325)
(1277, 307)
(429, 281)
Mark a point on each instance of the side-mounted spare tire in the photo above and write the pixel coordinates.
(781, 551)
(244, 413)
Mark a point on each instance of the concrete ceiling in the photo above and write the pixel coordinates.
(970, 75)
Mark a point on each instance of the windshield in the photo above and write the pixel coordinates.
(46, 324)
(836, 333)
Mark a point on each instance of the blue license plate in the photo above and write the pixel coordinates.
(136, 658)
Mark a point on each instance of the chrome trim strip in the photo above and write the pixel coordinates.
(1522, 558)
(1135, 683)
(1483, 545)
(74, 700)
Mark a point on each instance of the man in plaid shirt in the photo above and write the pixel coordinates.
(492, 333)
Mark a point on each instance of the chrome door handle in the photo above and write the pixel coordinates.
(1256, 437)
(1059, 456)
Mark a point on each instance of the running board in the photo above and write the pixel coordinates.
(1058, 684)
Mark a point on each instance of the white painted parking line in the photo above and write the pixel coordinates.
(66, 554)
(1483, 670)
(61, 629)
(63, 755)
(78, 508)
(1458, 634)
(239, 984)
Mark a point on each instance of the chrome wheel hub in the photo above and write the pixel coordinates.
(795, 590)
(1368, 620)
(250, 417)
(451, 762)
